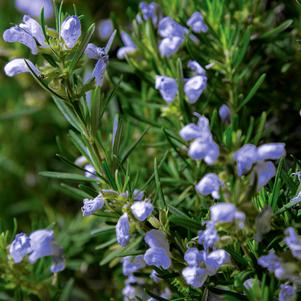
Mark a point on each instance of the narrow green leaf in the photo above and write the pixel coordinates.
(70, 115)
(276, 187)
(160, 195)
(66, 294)
(275, 31)
(252, 91)
(133, 146)
(75, 192)
(66, 176)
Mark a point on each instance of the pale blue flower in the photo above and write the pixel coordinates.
(196, 22)
(142, 210)
(193, 256)
(265, 172)
(168, 87)
(33, 8)
(215, 260)
(208, 237)
(195, 276)
(271, 151)
(224, 113)
(138, 195)
(245, 157)
(293, 241)
(204, 150)
(99, 54)
(115, 128)
(132, 264)
(196, 68)
(168, 27)
(123, 230)
(200, 130)
(19, 247)
(28, 33)
(249, 283)
(58, 264)
(170, 45)
(155, 277)
(158, 257)
(156, 238)
(42, 244)
(226, 213)
(90, 172)
(287, 293)
(18, 66)
(71, 31)
(209, 184)
(158, 253)
(194, 87)
(90, 206)
(129, 46)
(149, 11)
(271, 261)
(105, 29)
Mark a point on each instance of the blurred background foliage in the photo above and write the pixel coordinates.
(31, 127)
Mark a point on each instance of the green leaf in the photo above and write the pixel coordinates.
(75, 192)
(70, 115)
(130, 249)
(66, 176)
(276, 187)
(275, 31)
(241, 51)
(66, 294)
(252, 91)
(133, 146)
(82, 47)
(185, 222)
(95, 111)
(160, 195)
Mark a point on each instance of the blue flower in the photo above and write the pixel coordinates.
(287, 293)
(265, 172)
(271, 261)
(271, 151)
(158, 253)
(193, 256)
(132, 264)
(226, 213)
(245, 157)
(17, 66)
(209, 184)
(158, 257)
(170, 45)
(196, 22)
(90, 172)
(194, 87)
(129, 46)
(168, 27)
(195, 276)
(99, 54)
(71, 31)
(249, 283)
(39, 244)
(28, 33)
(90, 206)
(42, 244)
(105, 29)
(19, 247)
(142, 210)
(203, 147)
(149, 11)
(224, 113)
(138, 195)
(168, 88)
(123, 230)
(293, 241)
(215, 260)
(196, 68)
(154, 276)
(209, 237)
(33, 8)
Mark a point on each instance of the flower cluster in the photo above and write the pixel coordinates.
(38, 244)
